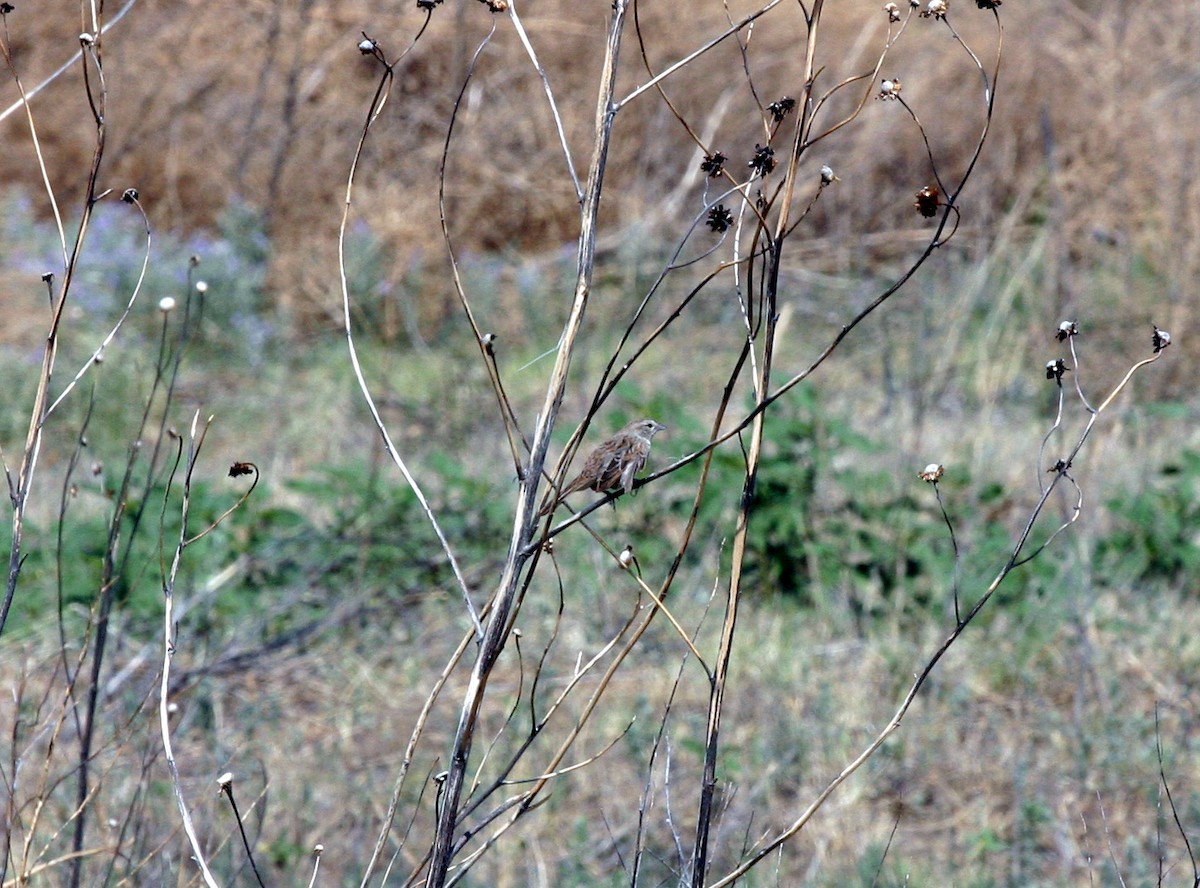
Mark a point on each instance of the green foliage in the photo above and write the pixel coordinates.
(826, 522)
(1156, 536)
(356, 533)
(145, 538)
(835, 526)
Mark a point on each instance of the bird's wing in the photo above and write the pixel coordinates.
(634, 465)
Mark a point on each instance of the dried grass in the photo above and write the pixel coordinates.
(1095, 131)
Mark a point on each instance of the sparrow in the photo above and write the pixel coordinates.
(613, 464)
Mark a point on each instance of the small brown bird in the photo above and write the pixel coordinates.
(613, 464)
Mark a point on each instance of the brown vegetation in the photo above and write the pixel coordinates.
(260, 101)
(1040, 717)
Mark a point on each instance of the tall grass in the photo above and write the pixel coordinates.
(789, 658)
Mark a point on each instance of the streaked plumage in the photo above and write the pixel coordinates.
(614, 464)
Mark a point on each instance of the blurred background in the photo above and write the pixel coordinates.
(326, 602)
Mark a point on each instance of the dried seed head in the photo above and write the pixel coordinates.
(166, 304)
(1056, 368)
(763, 160)
(713, 164)
(927, 201)
(827, 176)
(1161, 340)
(225, 780)
(782, 108)
(1066, 329)
(937, 9)
(893, 12)
(931, 473)
(719, 219)
(889, 89)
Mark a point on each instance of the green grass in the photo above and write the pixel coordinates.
(342, 609)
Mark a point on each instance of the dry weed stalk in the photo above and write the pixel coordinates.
(765, 221)
(29, 859)
(488, 787)
(66, 739)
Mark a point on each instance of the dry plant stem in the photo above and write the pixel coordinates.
(312, 881)
(1162, 775)
(699, 860)
(937, 492)
(762, 381)
(527, 799)
(19, 492)
(558, 124)
(691, 57)
(524, 522)
(380, 98)
(1112, 852)
(1015, 559)
(483, 341)
(41, 793)
(195, 442)
(1078, 379)
(99, 618)
(720, 675)
(644, 801)
(227, 789)
(523, 802)
(23, 102)
(593, 701)
(679, 630)
(410, 750)
(98, 354)
(936, 240)
(582, 670)
(871, 78)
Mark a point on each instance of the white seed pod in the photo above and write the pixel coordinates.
(931, 472)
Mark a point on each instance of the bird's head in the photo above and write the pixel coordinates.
(645, 428)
